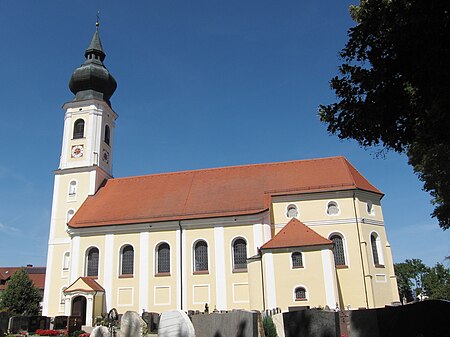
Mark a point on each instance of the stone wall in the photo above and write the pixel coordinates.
(236, 323)
(428, 318)
(311, 323)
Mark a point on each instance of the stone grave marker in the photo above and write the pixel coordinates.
(4, 319)
(152, 320)
(131, 324)
(74, 323)
(175, 324)
(100, 331)
(18, 323)
(60, 322)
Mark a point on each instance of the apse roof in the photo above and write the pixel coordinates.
(216, 192)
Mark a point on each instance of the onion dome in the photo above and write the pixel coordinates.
(92, 79)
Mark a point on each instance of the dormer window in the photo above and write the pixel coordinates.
(78, 129)
(292, 211)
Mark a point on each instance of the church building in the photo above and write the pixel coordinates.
(288, 235)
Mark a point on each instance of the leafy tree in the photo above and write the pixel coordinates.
(393, 90)
(410, 278)
(404, 275)
(437, 282)
(20, 297)
(414, 279)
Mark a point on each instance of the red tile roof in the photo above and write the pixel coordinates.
(89, 281)
(296, 234)
(36, 274)
(227, 191)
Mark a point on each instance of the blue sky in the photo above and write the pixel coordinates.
(200, 84)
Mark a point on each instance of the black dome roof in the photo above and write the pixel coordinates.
(92, 79)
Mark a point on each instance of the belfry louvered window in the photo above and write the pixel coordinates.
(338, 250)
(92, 262)
(163, 258)
(201, 256)
(297, 260)
(127, 260)
(78, 129)
(107, 134)
(240, 254)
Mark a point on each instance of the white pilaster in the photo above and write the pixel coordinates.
(48, 280)
(269, 275)
(75, 259)
(330, 278)
(219, 259)
(177, 266)
(183, 269)
(258, 238)
(143, 270)
(108, 269)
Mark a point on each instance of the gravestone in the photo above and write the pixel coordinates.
(175, 324)
(60, 322)
(131, 324)
(152, 320)
(100, 331)
(18, 323)
(4, 319)
(38, 322)
(74, 323)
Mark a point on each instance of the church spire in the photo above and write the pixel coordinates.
(92, 79)
(95, 47)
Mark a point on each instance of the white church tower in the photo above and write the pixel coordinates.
(85, 163)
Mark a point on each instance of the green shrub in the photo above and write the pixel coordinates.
(269, 327)
(77, 333)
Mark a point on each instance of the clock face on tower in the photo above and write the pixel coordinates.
(77, 151)
(105, 156)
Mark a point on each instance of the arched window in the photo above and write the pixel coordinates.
(297, 260)
(338, 250)
(332, 208)
(375, 242)
(201, 256)
(292, 211)
(239, 254)
(163, 256)
(66, 261)
(107, 134)
(127, 260)
(78, 129)
(72, 188)
(69, 215)
(92, 258)
(300, 294)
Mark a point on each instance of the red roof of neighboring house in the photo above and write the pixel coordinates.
(227, 191)
(296, 234)
(36, 274)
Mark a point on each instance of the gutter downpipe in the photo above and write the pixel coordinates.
(181, 265)
(360, 251)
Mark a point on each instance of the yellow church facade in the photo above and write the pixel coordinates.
(290, 235)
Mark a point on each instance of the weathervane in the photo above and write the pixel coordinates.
(97, 23)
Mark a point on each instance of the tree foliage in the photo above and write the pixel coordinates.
(414, 279)
(20, 297)
(394, 88)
